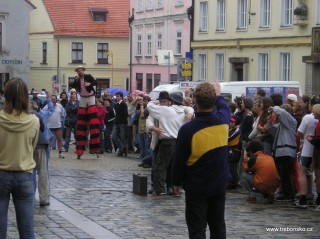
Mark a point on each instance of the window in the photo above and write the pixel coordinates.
(102, 57)
(102, 83)
(221, 15)
(219, 67)
(149, 4)
(99, 17)
(263, 66)
(149, 82)
(159, 3)
(318, 12)
(139, 45)
(286, 13)
(140, 5)
(242, 14)
(157, 79)
(203, 17)
(173, 77)
(285, 66)
(44, 53)
(99, 14)
(202, 70)
(149, 44)
(264, 14)
(179, 3)
(178, 43)
(139, 81)
(159, 41)
(77, 52)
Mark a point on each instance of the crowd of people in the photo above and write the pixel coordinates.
(279, 154)
(196, 142)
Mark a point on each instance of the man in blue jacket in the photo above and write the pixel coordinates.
(200, 164)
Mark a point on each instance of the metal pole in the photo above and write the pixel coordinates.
(110, 53)
(112, 69)
(169, 67)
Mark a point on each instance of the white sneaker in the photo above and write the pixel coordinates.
(61, 156)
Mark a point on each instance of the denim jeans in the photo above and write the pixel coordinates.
(69, 130)
(248, 182)
(20, 186)
(119, 135)
(144, 144)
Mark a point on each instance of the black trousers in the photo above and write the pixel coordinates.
(203, 211)
(285, 170)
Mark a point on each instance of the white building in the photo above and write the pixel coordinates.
(14, 40)
(265, 40)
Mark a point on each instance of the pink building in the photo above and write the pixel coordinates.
(160, 29)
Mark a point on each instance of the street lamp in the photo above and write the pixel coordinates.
(110, 53)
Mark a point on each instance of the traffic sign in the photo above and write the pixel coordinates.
(186, 72)
(186, 65)
(55, 85)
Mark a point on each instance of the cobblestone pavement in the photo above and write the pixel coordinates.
(92, 198)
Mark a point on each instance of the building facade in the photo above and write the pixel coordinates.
(94, 34)
(14, 40)
(160, 40)
(263, 40)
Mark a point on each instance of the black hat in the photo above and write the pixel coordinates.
(164, 95)
(177, 97)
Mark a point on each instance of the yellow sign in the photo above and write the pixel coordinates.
(186, 73)
(186, 65)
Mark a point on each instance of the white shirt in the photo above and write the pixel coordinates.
(171, 118)
(54, 121)
(307, 127)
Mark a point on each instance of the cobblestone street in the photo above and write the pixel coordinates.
(92, 198)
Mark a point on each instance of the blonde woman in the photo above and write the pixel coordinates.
(19, 130)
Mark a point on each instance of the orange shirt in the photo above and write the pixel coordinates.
(265, 174)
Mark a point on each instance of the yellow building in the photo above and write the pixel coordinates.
(265, 40)
(64, 34)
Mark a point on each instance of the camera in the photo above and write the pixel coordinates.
(238, 100)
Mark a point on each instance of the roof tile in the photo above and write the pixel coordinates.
(73, 18)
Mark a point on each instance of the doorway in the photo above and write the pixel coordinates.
(238, 72)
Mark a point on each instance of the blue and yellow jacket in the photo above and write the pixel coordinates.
(201, 158)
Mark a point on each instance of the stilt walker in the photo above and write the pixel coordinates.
(87, 113)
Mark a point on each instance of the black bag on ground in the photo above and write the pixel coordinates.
(140, 183)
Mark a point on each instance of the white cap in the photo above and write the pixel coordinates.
(292, 97)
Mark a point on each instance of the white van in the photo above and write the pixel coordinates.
(171, 88)
(248, 88)
(235, 89)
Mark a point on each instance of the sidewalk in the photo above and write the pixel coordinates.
(92, 198)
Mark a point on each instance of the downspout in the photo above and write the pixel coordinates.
(130, 20)
(58, 63)
(190, 12)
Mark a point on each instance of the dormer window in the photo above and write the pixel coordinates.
(99, 14)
